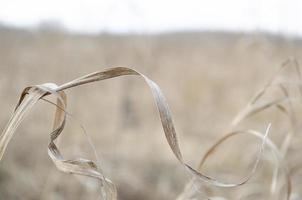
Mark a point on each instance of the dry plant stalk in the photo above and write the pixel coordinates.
(31, 95)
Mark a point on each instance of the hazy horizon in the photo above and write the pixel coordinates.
(279, 17)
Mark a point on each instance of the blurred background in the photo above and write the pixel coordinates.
(209, 58)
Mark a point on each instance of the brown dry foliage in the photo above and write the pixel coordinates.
(281, 93)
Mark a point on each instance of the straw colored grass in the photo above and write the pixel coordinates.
(281, 93)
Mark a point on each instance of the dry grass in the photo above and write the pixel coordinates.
(151, 172)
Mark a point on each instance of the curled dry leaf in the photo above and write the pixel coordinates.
(31, 95)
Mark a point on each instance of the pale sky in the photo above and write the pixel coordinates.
(149, 16)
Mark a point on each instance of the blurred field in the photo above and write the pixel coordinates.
(206, 77)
